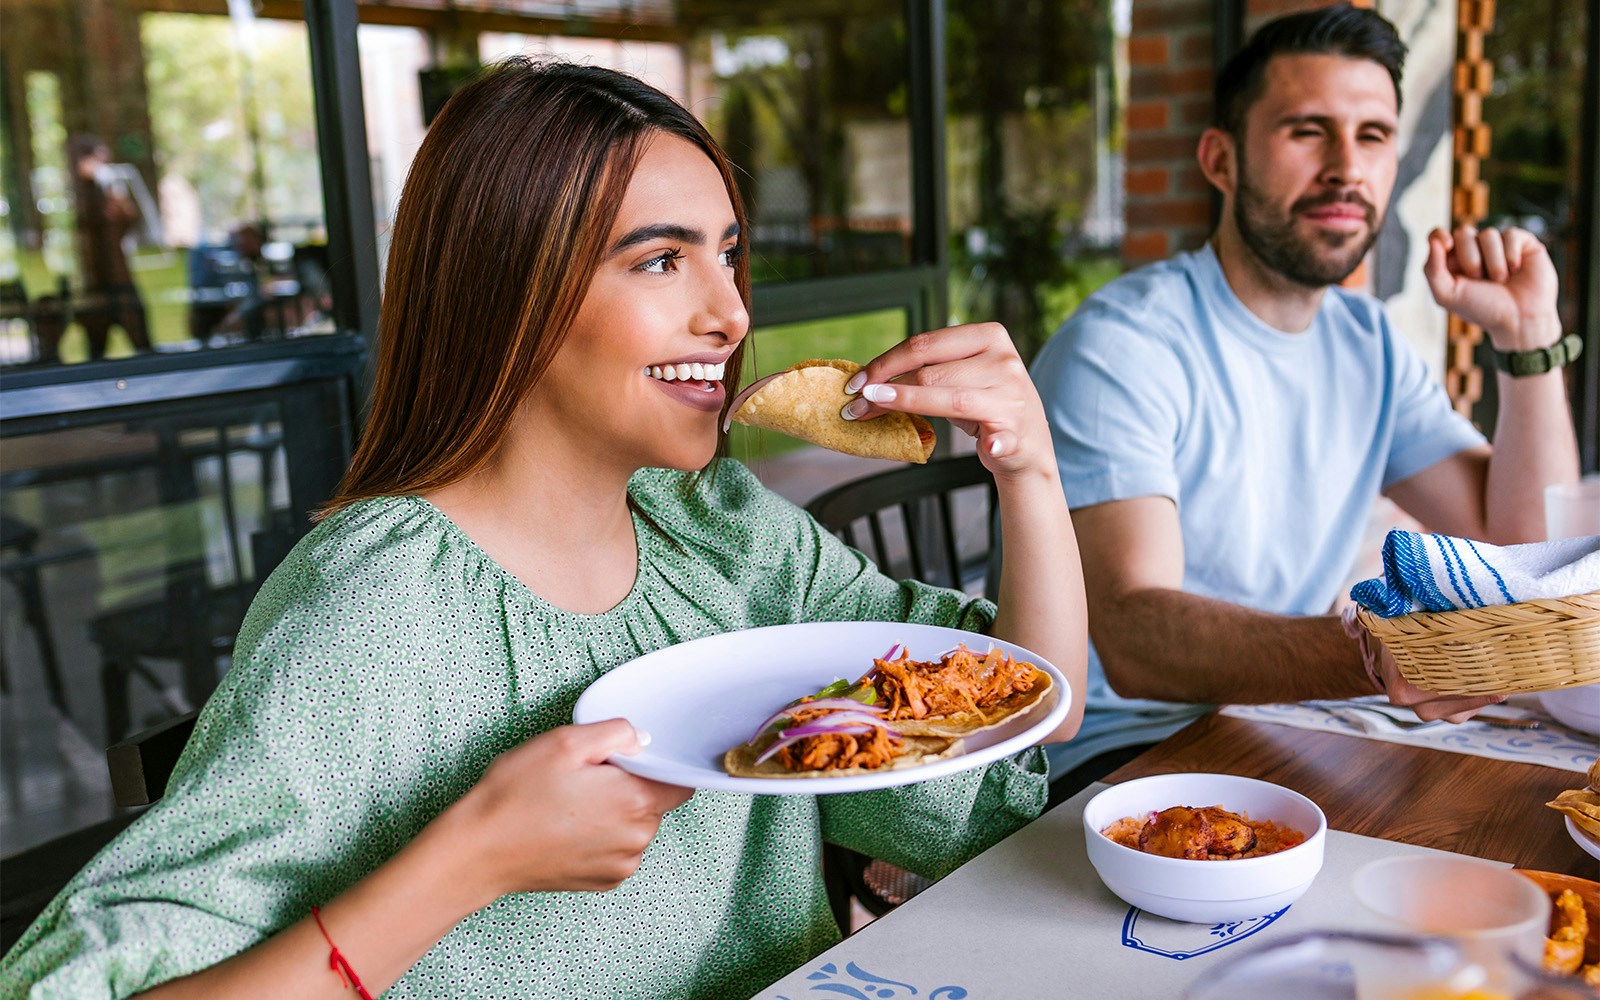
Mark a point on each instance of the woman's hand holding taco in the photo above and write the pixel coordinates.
(972, 376)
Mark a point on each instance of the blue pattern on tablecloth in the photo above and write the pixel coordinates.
(1552, 745)
(828, 980)
(1181, 941)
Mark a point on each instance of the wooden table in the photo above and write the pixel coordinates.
(1415, 795)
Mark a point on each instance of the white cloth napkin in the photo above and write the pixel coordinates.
(1443, 573)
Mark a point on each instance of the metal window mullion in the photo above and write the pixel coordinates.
(346, 179)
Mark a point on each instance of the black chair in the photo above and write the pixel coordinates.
(193, 620)
(915, 520)
(141, 764)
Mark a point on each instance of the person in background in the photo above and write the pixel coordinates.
(387, 785)
(1224, 420)
(105, 214)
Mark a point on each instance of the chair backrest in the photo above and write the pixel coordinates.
(141, 764)
(920, 520)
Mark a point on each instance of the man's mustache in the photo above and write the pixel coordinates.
(1313, 202)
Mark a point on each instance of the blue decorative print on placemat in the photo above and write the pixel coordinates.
(1171, 939)
(859, 984)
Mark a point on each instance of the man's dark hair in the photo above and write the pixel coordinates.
(1340, 30)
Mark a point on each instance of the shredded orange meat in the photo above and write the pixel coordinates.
(837, 750)
(963, 681)
(1206, 833)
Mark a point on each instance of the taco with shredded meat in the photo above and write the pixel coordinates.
(828, 735)
(804, 401)
(962, 692)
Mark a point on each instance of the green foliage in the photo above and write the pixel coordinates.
(202, 111)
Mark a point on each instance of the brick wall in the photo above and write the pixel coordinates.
(1170, 55)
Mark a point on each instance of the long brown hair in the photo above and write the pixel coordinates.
(507, 207)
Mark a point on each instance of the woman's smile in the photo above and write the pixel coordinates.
(695, 380)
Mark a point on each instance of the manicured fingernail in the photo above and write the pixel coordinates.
(642, 735)
(879, 393)
(854, 409)
(995, 447)
(857, 380)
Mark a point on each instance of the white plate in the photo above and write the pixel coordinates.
(1590, 846)
(700, 698)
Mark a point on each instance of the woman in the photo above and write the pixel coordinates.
(391, 745)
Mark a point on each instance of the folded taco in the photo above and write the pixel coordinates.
(960, 693)
(826, 737)
(804, 402)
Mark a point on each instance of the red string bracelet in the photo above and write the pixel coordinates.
(338, 963)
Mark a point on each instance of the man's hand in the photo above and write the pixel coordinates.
(1501, 280)
(1426, 704)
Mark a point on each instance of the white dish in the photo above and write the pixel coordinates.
(1205, 891)
(700, 698)
(1574, 707)
(1589, 845)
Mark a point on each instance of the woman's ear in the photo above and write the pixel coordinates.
(1218, 156)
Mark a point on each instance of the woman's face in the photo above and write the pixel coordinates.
(640, 372)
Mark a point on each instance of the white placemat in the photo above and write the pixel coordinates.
(1552, 744)
(1030, 918)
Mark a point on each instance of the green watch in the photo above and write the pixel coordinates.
(1540, 359)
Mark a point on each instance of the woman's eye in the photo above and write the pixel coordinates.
(730, 256)
(662, 263)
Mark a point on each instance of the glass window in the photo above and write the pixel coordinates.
(161, 193)
(1534, 112)
(1033, 145)
(128, 554)
(811, 105)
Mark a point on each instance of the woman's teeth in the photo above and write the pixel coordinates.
(686, 372)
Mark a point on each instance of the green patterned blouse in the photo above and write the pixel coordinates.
(388, 660)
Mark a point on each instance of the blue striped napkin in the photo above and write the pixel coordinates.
(1444, 573)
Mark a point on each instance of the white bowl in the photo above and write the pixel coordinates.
(1588, 844)
(1205, 891)
(1575, 707)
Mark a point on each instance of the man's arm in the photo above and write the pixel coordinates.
(1503, 281)
(1155, 641)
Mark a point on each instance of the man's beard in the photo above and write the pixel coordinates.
(1314, 262)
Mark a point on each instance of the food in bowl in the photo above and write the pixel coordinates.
(1193, 890)
(1206, 833)
(1572, 942)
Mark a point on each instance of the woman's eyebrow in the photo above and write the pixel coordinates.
(666, 231)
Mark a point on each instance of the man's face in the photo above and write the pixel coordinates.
(1316, 165)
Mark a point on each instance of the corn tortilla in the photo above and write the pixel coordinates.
(804, 402)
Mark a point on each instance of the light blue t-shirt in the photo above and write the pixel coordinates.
(1273, 445)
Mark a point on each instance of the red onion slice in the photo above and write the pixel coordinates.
(836, 719)
(798, 733)
(743, 395)
(836, 704)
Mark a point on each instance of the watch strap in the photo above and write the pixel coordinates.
(1541, 359)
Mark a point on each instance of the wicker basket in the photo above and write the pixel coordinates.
(1501, 649)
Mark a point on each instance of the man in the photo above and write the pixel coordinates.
(1224, 420)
